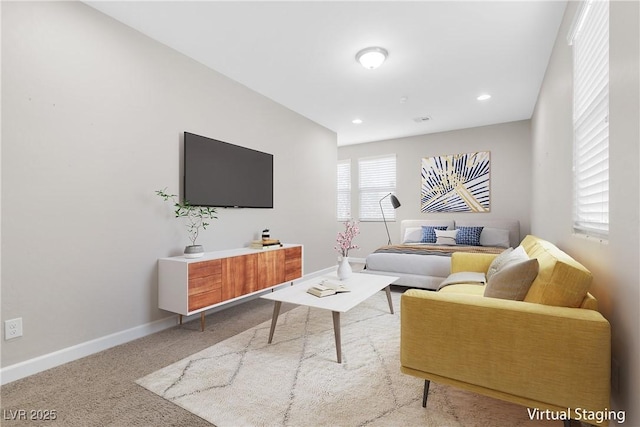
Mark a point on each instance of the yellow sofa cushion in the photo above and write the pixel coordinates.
(468, 261)
(561, 280)
(465, 288)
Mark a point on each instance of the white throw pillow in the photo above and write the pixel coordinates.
(412, 235)
(507, 257)
(446, 237)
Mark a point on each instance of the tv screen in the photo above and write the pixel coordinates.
(220, 174)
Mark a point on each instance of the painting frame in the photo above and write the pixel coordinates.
(456, 183)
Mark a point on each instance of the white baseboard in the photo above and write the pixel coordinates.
(69, 354)
(51, 360)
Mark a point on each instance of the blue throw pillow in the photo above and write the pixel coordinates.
(469, 236)
(429, 233)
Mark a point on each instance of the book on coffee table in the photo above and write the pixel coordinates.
(321, 290)
(335, 285)
(327, 287)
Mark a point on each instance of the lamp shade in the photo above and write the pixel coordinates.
(395, 202)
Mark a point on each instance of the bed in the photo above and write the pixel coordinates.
(426, 265)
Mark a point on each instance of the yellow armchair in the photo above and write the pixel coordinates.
(536, 355)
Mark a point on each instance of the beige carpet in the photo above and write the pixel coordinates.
(295, 381)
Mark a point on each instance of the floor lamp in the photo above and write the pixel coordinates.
(396, 204)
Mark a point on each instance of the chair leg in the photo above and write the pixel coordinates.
(426, 392)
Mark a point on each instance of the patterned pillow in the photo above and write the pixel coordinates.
(429, 233)
(469, 236)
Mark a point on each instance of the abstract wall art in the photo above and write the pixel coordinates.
(456, 183)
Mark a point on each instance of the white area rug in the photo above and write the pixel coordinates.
(296, 381)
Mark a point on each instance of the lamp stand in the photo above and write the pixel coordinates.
(396, 204)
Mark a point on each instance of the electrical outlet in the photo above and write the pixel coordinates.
(12, 328)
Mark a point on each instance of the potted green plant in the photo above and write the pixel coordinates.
(197, 217)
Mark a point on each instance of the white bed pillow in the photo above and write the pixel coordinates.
(446, 237)
(494, 237)
(412, 235)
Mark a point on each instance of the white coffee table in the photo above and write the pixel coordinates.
(362, 286)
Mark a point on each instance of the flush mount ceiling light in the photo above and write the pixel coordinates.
(356, 121)
(372, 57)
(483, 97)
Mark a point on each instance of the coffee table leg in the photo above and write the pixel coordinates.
(274, 319)
(336, 331)
(388, 291)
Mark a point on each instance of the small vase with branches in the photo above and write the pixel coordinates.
(197, 219)
(344, 243)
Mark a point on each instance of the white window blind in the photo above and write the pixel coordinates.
(377, 178)
(590, 40)
(344, 190)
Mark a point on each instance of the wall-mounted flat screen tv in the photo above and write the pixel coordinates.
(220, 174)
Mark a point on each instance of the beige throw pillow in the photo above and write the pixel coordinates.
(513, 280)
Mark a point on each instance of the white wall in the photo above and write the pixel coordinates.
(93, 114)
(510, 147)
(614, 263)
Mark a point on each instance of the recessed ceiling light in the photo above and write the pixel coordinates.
(483, 97)
(356, 121)
(372, 57)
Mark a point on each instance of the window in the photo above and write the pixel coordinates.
(344, 190)
(377, 178)
(590, 40)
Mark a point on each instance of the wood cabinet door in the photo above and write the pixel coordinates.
(239, 276)
(293, 263)
(271, 268)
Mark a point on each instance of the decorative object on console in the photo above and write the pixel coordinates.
(266, 244)
(456, 183)
(197, 217)
(344, 243)
(265, 234)
(193, 251)
(396, 204)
